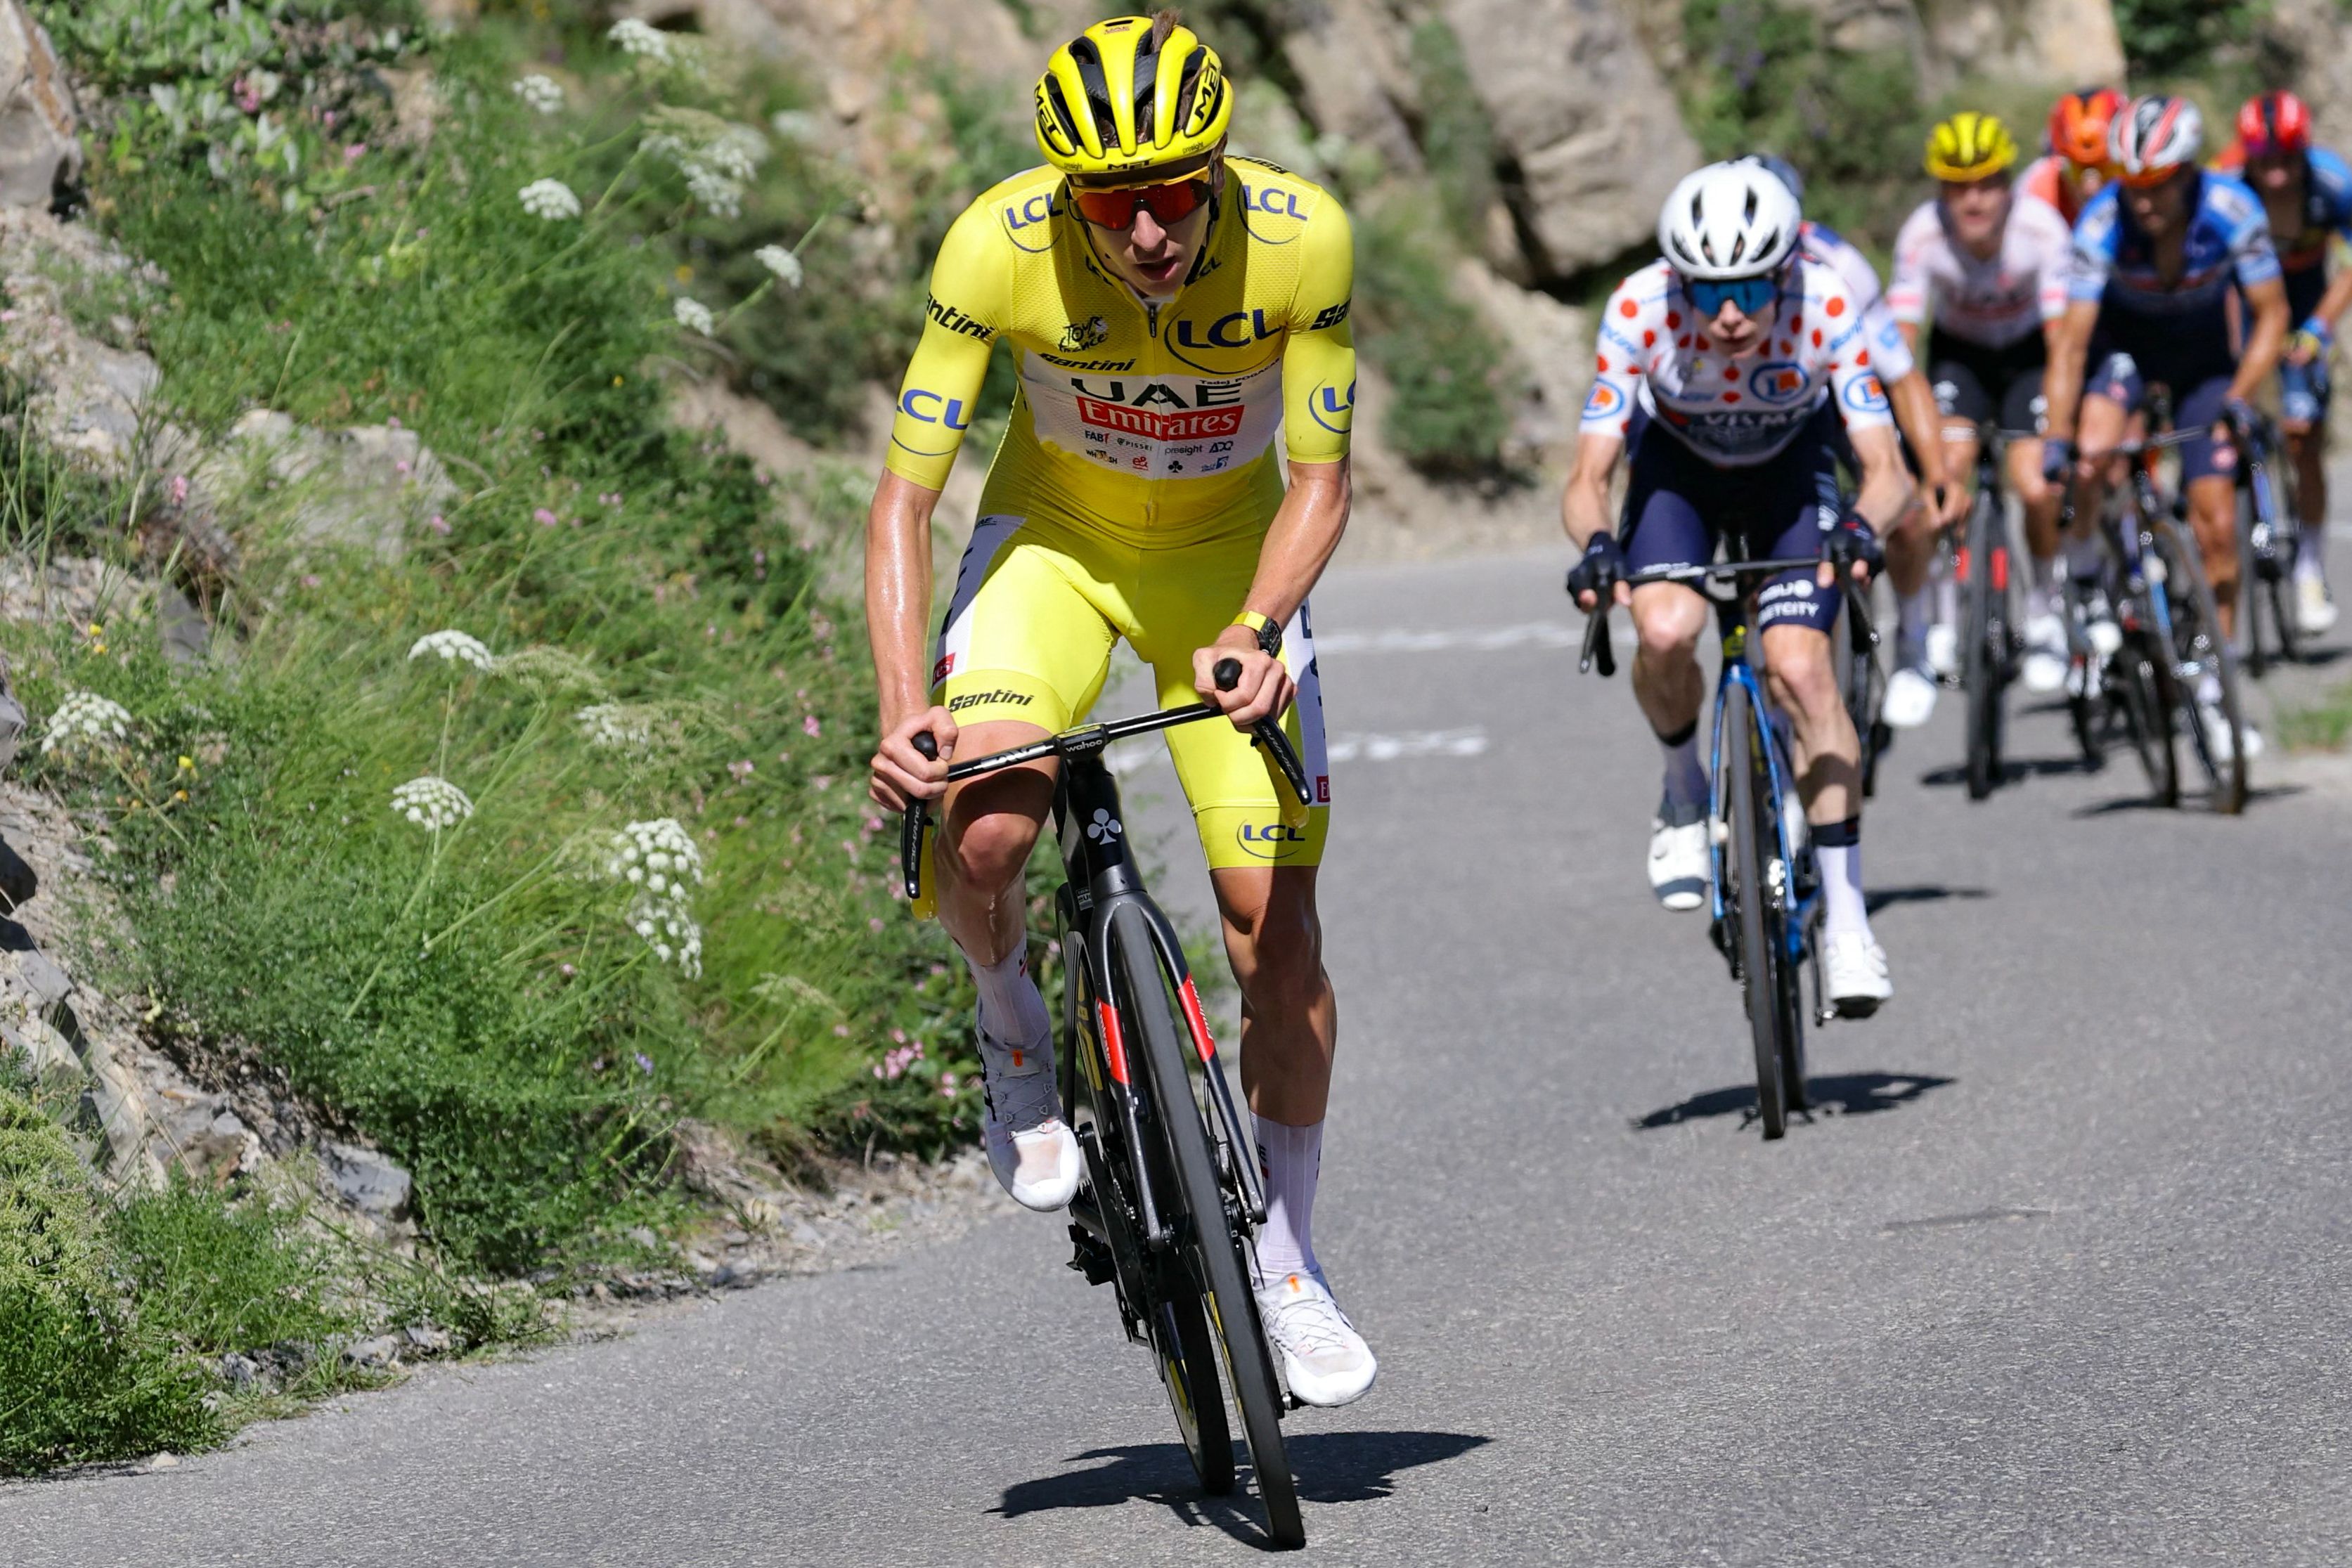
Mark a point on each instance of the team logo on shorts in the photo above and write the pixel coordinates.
(1777, 381)
(1865, 395)
(1604, 401)
(1270, 841)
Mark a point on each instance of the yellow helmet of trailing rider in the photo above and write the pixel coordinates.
(1969, 146)
(1131, 94)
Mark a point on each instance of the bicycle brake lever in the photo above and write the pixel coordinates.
(1597, 649)
(1267, 734)
(911, 826)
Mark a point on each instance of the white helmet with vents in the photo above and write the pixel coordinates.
(1730, 221)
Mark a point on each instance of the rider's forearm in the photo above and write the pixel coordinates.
(1584, 504)
(899, 592)
(1922, 426)
(2331, 306)
(2068, 339)
(1298, 543)
(2265, 343)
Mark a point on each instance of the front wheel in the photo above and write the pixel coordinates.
(1987, 672)
(1754, 847)
(2205, 670)
(1210, 1247)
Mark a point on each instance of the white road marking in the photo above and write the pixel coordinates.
(1413, 743)
(1483, 639)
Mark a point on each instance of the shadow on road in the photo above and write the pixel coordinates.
(1845, 1094)
(1926, 893)
(1331, 1467)
(2191, 801)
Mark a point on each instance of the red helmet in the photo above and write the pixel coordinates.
(2078, 124)
(2273, 122)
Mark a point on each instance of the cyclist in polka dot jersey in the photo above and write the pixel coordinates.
(1726, 372)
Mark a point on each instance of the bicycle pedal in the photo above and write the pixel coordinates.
(1090, 1258)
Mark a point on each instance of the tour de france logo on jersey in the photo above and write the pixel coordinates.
(1080, 336)
(1865, 395)
(1777, 381)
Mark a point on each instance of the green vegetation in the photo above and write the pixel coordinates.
(1762, 80)
(2176, 37)
(1444, 415)
(1456, 137)
(2323, 725)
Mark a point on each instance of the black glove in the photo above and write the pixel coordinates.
(2057, 460)
(1600, 571)
(1850, 540)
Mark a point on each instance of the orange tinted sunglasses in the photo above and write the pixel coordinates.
(1167, 203)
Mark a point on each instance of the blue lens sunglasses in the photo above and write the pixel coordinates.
(1750, 294)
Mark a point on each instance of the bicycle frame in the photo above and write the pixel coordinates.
(1802, 885)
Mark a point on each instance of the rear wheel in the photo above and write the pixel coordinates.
(1211, 1247)
(1986, 670)
(1181, 1346)
(1754, 847)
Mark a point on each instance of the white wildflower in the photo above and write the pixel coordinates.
(695, 316)
(795, 125)
(551, 200)
(782, 262)
(546, 670)
(432, 803)
(736, 151)
(642, 39)
(612, 727)
(717, 157)
(541, 92)
(660, 857)
(85, 720)
(453, 647)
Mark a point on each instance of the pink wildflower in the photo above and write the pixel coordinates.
(179, 489)
(439, 524)
(542, 516)
(809, 727)
(355, 151)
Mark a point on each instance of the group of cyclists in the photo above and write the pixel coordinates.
(1170, 306)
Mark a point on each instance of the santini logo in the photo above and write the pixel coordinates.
(977, 699)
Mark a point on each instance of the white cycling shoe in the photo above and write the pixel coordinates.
(2313, 610)
(1944, 649)
(1855, 970)
(1324, 1359)
(2217, 735)
(2045, 654)
(1031, 1150)
(1679, 863)
(1910, 698)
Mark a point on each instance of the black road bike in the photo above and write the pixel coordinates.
(1764, 887)
(1992, 638)
(1171, 1198)
(2267, 542)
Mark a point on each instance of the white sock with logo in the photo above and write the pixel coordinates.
(1012, 1011)
(1291, 1159)
(2310, 552)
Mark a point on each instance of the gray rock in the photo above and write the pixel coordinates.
(427, 1338)
(39, 153)
(383, 1349)
(367, 1181)
(241, 1371)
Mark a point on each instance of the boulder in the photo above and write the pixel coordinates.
(1579, 108)
(1352, 59)
(39, 153)
(2310, 39)
(366, 1181)
(2061, 43)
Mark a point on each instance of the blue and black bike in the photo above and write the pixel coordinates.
(1765, 894)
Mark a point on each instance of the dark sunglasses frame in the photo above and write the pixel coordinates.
(1750, 294)
(1169, 201)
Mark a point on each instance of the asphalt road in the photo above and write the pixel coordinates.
(2058, 1275)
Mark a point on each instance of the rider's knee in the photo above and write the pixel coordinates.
(1669, 631)
(1277, 946)
(991, 851)
(1803, 676)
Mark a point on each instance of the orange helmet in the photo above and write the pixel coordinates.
(2078, 124)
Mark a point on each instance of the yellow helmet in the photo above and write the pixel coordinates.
(1129, 94)
(1969, 146)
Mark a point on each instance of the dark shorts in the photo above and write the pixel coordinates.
(2195, 407)
(2303, 388)
(1981, 385)
(1679, 506)
(2304, 285)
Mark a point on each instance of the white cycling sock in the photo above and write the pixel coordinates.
(1844, 908)
(2084, 558)
(1014, 1010)
(2042, 586)
(2310, 556)
(1290, 1158)
(1686, 784)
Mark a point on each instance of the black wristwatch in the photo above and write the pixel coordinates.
(1268, 631)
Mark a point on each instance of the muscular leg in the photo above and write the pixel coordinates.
(988, 827)
(1668, 619)
(2213, 516)
(1803, 681)
(2306, 449)
(1274, 939)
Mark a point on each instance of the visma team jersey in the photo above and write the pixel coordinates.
(1147, 422)
(1735, 412)
(1890, 355)
(1994, 301)
(2327, 207)
(2229, 241)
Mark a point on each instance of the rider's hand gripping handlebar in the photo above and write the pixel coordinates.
(1266, 735)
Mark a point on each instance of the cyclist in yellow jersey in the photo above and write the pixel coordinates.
(1169, 309)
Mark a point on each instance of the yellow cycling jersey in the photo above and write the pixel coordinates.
(1144, 421)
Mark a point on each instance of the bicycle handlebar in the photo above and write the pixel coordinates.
(1597, 649)
(1085, 739)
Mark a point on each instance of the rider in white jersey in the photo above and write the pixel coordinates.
(1980, 270)
(1727, 372)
